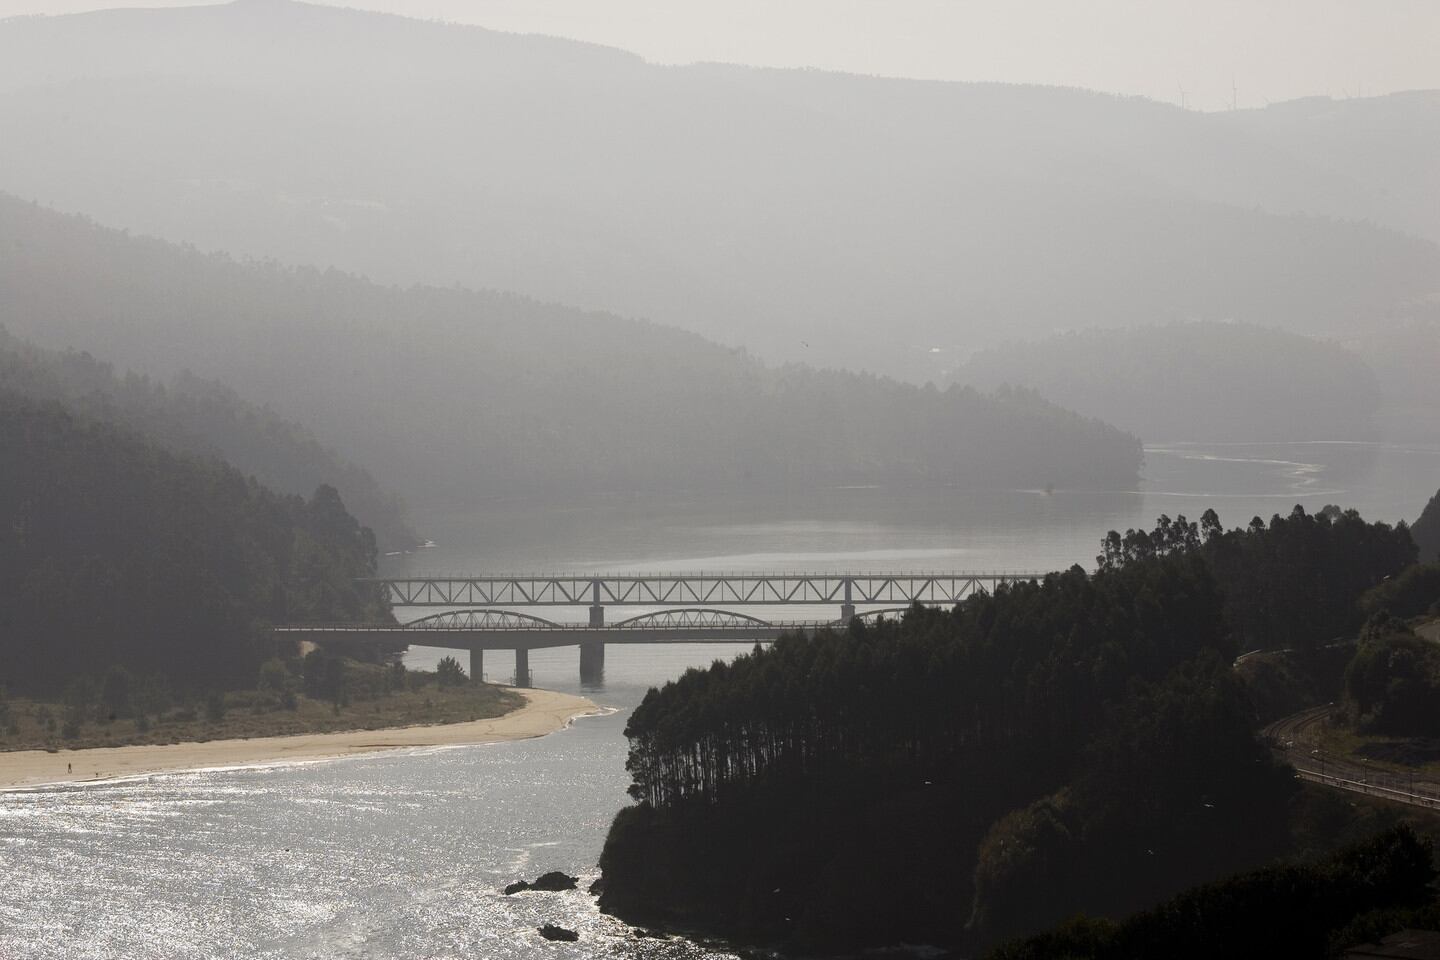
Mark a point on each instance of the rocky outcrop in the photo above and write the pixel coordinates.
(555, 881)
(552, 932)
(552, 882)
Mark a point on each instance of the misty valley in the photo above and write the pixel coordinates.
(468, 493)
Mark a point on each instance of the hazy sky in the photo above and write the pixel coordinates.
(1270, 49)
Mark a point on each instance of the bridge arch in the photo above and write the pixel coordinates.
(889, 613)
(693, 617)
(481, 620)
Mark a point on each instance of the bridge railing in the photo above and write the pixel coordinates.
(692, 589)
(780, 625)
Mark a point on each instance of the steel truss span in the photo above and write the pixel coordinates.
(481, 620)
(695, 617)
(692, 590)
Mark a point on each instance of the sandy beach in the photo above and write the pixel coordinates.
(544, 712)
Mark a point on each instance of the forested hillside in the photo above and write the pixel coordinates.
(1427, 530)
(448, 394)
(959, 777)
(119, 552)
(797, 213)
(1361, 893)
(194, 415)
(1194, 381)
(1382, 153)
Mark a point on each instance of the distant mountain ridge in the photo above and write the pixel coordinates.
(451, 395)
(885, 225)
(1195, 381)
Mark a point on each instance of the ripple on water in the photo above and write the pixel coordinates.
(381, 856)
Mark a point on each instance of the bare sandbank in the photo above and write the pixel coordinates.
(544, 712)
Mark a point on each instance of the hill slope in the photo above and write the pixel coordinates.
(1195, 381)
(808, 216)
(119, 552)
(450, 394)
(198, 416)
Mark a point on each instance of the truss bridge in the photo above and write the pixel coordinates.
(482, 611)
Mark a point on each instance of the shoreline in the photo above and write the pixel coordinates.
(544, 712)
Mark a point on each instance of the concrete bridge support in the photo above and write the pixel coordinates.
(592, 661)
(592, 652)
(477, 663)
(522, 666)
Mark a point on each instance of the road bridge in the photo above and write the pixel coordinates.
(694, 609)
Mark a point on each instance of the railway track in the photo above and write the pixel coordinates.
(1299, 739)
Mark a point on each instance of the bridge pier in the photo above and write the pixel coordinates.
(847, 611)
(592, 662)
(477, 663)
(522, 666)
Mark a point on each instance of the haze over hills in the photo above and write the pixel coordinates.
(203, 417)
(885, 225)
(451, 395)
(1195, 381)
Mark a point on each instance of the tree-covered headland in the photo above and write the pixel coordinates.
(960, 777)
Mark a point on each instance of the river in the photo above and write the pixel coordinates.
(403, 854)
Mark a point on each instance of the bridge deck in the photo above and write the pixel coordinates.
(706, 589)
(555, 635)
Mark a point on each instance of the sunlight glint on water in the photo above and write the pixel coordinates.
(403, 855)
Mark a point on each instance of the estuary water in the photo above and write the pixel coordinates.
(404, 854)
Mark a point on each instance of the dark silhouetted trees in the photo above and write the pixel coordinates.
(1278, 911)
(1077, 743)
(117, 552)
(1427, 531)
(1290, 584)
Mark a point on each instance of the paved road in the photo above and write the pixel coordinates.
(1298, 738)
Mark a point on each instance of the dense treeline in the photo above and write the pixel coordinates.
(1392, 684)
(119, 552)
(1291, 584)
(446, 392)
(1359, 894)
(1078, 743)
(1427, 531)
(194, 415)
(1415, 592)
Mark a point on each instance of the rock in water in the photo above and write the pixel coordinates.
(552, 932)
(516, 887)
(554, 881)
